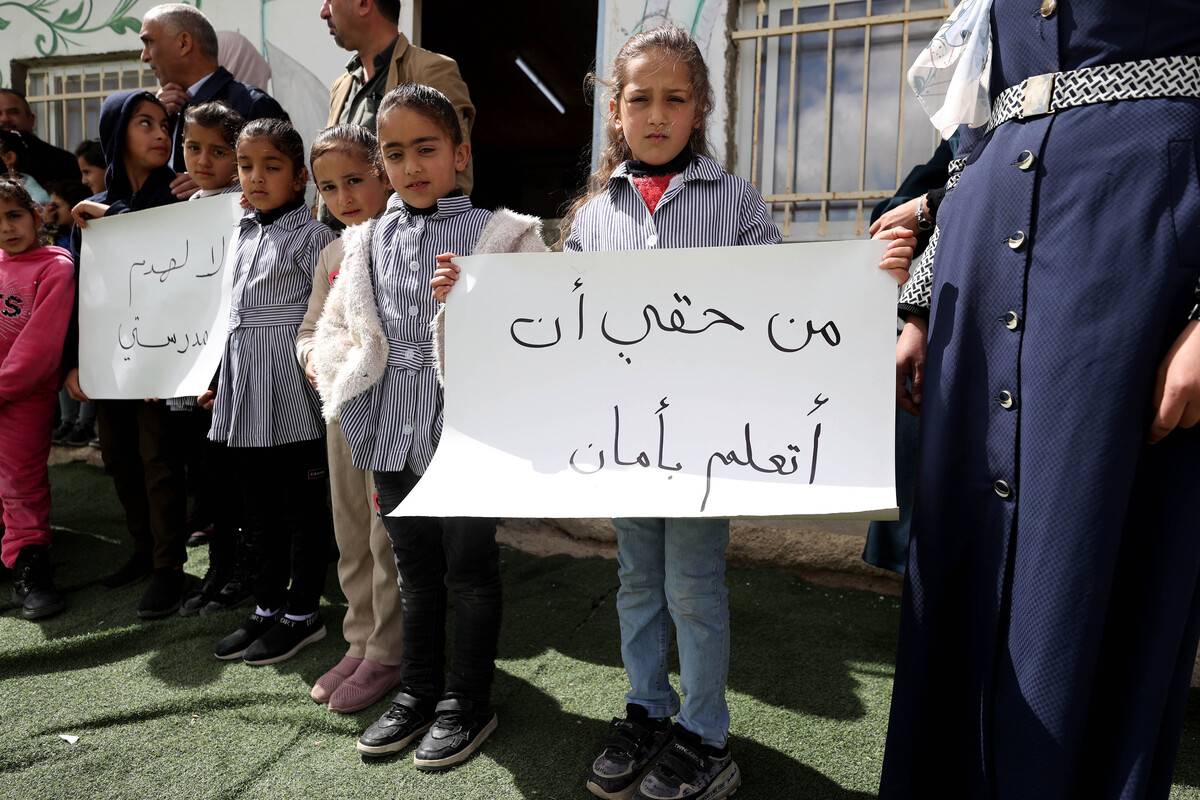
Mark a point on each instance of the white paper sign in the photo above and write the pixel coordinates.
(748, 381)
(154, 299)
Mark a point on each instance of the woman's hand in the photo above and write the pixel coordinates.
(902, 244)
(1177, 389)
(910, 364)
(444, 277)
(86, 210)
(71, 384)
(206, 400)
(310, 370)
(902, 216)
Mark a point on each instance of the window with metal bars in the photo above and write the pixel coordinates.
(826, 124)
(66, 97)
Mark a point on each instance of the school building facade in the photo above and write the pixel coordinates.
(811, 100)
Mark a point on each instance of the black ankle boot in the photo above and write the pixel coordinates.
(136, 568)
(33, 584)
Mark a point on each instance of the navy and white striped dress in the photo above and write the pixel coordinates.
(703, 206)
(398, 421)
(263, 399)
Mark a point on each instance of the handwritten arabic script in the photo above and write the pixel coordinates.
(154, 305)
(655, 384)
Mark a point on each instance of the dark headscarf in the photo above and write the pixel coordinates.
(115, 115)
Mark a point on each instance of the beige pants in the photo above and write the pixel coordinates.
(366, 566)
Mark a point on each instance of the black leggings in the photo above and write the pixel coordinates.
(433, 556)
(284, 490)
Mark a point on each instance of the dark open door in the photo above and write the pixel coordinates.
(525, 63)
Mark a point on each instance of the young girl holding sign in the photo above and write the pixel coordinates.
(136, 439)
(37, 293)
(348, 169)
(657, 187)
(375, 366)
(265, 411)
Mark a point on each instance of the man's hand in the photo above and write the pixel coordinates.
(71, 384)
(206, 400)
(183, 186)
(174, 97)
(910, 364)
(1177, 389)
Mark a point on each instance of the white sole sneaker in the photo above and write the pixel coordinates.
(625, 794)
(433, 764)
(315, 636)
(393, 747)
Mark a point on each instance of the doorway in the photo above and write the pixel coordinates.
(525, 63)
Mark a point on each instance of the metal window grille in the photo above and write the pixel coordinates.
(67, 97)
(826, 124)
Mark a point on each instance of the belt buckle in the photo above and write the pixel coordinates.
(1037, 95)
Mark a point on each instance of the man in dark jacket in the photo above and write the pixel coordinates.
(45, 162)
(180, 45)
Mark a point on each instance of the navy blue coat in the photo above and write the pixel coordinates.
(249, 101)
(1048, 630)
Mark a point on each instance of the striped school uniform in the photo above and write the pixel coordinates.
(397, 423)
(263, 399)
(703, 206)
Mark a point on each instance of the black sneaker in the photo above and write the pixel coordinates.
(459, 728)
(687, 769)
(284, 640)
(60, 434)
(408, 718)
(632, 745)
(80, 435)
(247, 558)
(136, 568)
(210, 586)
(164, 594)
(33, 584)
(234, 645)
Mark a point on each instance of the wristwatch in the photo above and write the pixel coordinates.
(924, 223)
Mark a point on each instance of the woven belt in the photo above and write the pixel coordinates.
(267, 316)
(409, 355)
(1175, 76)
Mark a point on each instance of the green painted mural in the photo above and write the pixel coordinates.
(61, 24)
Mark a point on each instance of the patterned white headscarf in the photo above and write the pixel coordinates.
(950, 76)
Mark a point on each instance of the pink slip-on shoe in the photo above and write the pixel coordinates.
(370, 683)
(328, 683)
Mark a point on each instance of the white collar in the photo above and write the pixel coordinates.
(195, 87)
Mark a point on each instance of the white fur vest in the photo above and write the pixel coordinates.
(349, 348)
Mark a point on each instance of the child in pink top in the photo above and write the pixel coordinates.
(37, 295)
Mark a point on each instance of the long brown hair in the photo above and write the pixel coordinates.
(669, 41)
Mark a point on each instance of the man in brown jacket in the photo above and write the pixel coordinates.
(384, 59)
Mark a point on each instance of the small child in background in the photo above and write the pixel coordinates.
(348, 170)
(265, 412)
(210, 133)
(375, 369)
(92, 167)
(14, 151)
(77, 421)
(37, 285)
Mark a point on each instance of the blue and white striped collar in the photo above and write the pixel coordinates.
(702, 168)
(446, 206)
(293, 220)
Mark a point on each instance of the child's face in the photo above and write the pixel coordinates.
(269, 178)
(92, 177)
(350, 187)
(18, 228)
(210, 160)
(147, 139)
(57, 211)
(656, 112)
(422, 162)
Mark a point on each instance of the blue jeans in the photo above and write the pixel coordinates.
(676, 567)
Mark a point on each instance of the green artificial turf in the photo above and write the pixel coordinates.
(158, 717)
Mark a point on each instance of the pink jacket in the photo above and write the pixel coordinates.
(37, 298)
